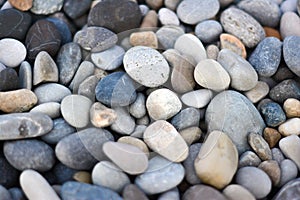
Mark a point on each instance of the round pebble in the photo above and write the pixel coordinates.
(272, 136)
(77, 8)
(167, 17)
(186, 118)
(290, 53)
(236, 192)
(291, 107)
(51, 92)
(167, 35)
(46, 7)
(12, 52)
(284, 90)
(288, 6)
(271, 167)
(21, 5)
(290, 127)
(208, 31)
(233, 43)
(289, 25)
(290, 147)
(101, 116)
(289, 171)
(197, 98)
(203, 191)
(9, 79)
(138, 107)
(249, 158)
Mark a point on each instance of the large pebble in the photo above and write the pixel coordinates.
(29, 154)
(63, 28)
(208, 31)
(194, 11)
(235, 115)
(292, 107)
(163, 138)
(163, 104)
(8, 173)
(291, 54)
(289, 171)
(197, 98)
(160, 176)
(289, 191)
(257, 93)
(237, 192)
(243, 26)
(290, 146)
(12, 52)
(204, 192)
(286, 89)
(248, 177)
(217, 160)
(146, 66)
(77, 8)
(101, 116)
(167, 35)
(186, 118)
(267, 56)
(190, 172)
(273, 114)
(289, 25)
(51, 92)
(124, 124)
(41, 7)
(81, 150)
(9, 79)
(242, 74)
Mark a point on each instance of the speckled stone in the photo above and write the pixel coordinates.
(144, 38)
(273, 114)
(291, 53)
(190, 173)
(249, 158)
(272, 136)
(286, 89)
(51, 92)
(208, 31)
(12, 52)
(41, 7)
(203, 191)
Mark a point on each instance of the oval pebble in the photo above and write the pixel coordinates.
(46, 7)
(167, 17)
(260, 146)
(289, 190)
(9, 173)
(190, 173)
(101, 116)
(63, 28)
(291, 54)
(9, 79)
(197, 98)
(138, 107)
(12, 52)
(271, 167)
(291, 107)
(51, 92)
(289, 146)
(208, 31)
(124, 124)
(167, 35)
(236, 192)
(135, 142)
(144, 38)
(289, 25)
(288, 88)
(52, 109)
(233, 43)
(249, 158)
(186, 118)
(257, 93)
(203, 191)
(289, 171)
(273, 114)
(77, 8)
(25, 75)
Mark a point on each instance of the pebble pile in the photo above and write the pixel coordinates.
(149, 99)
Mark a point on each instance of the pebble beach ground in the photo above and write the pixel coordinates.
(149, 99)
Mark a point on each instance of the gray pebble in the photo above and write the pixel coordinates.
(171, 4)
(288, 6)
(25, 75)
(9, 174)
(289, 191)
(52, 109)
(277, 155)
(190, 173)
(41, 7)
(212, 51)
(186, 118)
(289, 25)
(203, 191)
(124, 124)
(168, 17)
(170, 195)
(12, 51)
(4, 193)
(197, 98)
(144, 9)
(289, 171)
(167, 36)
(249, 158)
(291, 53)
(143, 120)
(286, 89)
(208, 31)
(51, 92)
(17, 194)
(138, 108)
(87, 87)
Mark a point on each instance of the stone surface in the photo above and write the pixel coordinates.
(46, 7)
(286, 89)
(243, 26)
(88, 86)
(167, 35)
(190, 172)
(249, 158)
(289, 25)
(167, 17)
(277, 155)
(289, 190)
(208, 31)
(291, 107)
(21, 5)
(257, 93)
(51, 92)
(217, 160)
(52, 109)
(291, 53)
(271, 32)
(135, 142)
(236, 192)
(25, 75)
(63, 28)
(124, 124)
(273, 114)
(290, 146)
(235, 115)
(138, 108)
(290, 127)
(82, 149)
(150, 20)
(9, 79)
(9, 173)
(155, 4)
(161, 175)
(203, 191)
(171, 194)
(186, 118)
(12, 52)
(101, 116)
(16, 193)
(77, 8)
(83, 177)
(271, 167)
(289, 171)
(212, 51)
(163, 138)
(272, 136)
(260, 146)
(197, 98)
(231, 42)
(144, 38)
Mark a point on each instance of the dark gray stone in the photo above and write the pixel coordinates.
(167, 35)
(87, 87)
(17, 194)
(291, 53)
(273, 114)
(51, 92)
(289, 191)
(284, 90)
(282, 74)
(60, 174)
(9, 79)
(76, 8)
(208, 31)
(9, 175)
(25, 75)
(186, 118)
(132, 192)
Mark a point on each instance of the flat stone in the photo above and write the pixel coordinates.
(271, 167)
(235, 115)
(273, 114)
(45, 69)
(289, 190)
(260, 146)
(291, 107)
(30, 180)
(236, 192)
(160, 176)
(83, 149)
(163, 138)
(286, 89)
(289, 25)
(211, 75)
(171, 194)
(9, 79)
(135, 142)
(76, 110)
(242, 25)
(188, 11)
(272, 136)
(190, 173)
(217, 160)
(163, 104)
(138, 108)
(109, 59)
(51, 92)
(146, 66)
(197, 98)
(167, 17)
(249, 158)
(290, 146)
(29, 154)
(233, 43)
(101, 116)
(167, 35)
(107, 174)
(144, 38)
(266, 57)
(242, 74)
(88, 86)
(186, 118)
(124, 124)
(248, 177)
(203, 191)
(25, 75)
(129, 158)
(132, 192)
(83, 177)
(291, 54)
(9, 173)
(12, 52)
(289, 171)
(277, 155)
(257, 93)
(46, 7)
(77, 8)
(52, 109)
(208, 31)
(63, 28)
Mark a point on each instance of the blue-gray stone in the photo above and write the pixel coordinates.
(60, 174)
(51, 92)
(82, 191)
(208, 31)
(9, 175)
(4, 194)
(63, 29)
(273, 114)
(266, 57)
(289, 191)
(17, 194)
(76, 8)
(9, 79)
(284, 90)
(116, 89)
(291, 53)
(186, 118)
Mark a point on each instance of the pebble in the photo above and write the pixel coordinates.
(77, 8)
(68, 60)
(155, 4)
(248, 177)
(41, 7)
(191, 135)
(289, 190)
(107, 174)
(163, 104)
(237, 192)
(211, 75)
(30, 180)
(170, 195)
(290, 127)
(21, 5)
(146, 66)
(17, 100)
(289, 171)
(257, 9)
(168, 17)
(9, 79)
(52, 109)
(12, 52)
(74, 190)
(271, 167)
(138, 108)
(277, 155)
(273, 114)
(242, 74)
(109, 59)
(190, 173)
(88, 86)
(144, 9)
(61, 129)
(212, 51)
(188, 10)
(82, 149)
(135, 142)
(290, 146)
(203, 191)
(290, 53)
(284, 90)
(140, 127)
(266, 57)
(5, 195)
(171, 4)
(217, 160)
(271, 32)
(117, 21)
(197, 98)
(8, 173)
(132, 192)
(190, 45)
(243, 26)
(291, 107)
(257, 93)
(160, 176)
(272, 136)
(125, 124)
(17, 25)
(249, 158)
(60, 174)
(233, 43)
(235, 115)
(95, 39)
(289, 25)
(42, 36)
(51, 92)
(101, 116)
(143, 121)
(163, 138)
(288, 5)
(260, 146)
(83, 177)
(144, 38)
(45, 69)
(29, 154)
(208, 31)
(62, 27)
(167, 35)
(186, 118)
(283, 73)
(298, 7)
(150, 20)
(16, 193)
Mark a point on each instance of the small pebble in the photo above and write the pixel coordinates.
(144, 38)
(212, 51)
(272, 136)
(290, 127)
(101, 116)
(21, 5)
(249, 158)
(277, 155)
(83, 177)
(171, 194)
(291, 107)
(17, 193)
(260, 146)
(273, 114)
(289, 171)
(203, 191)
(257, 93)
(88, 86)
(144, 9)
(290, 53)
(62, 27)
(186, 118)
(155, 4)
(284, 90)
(271, 32)
(271, 167)
(190, 173)
(168, 17)
(197, 98)
(150, 20)
(167, 36)
(125, 124)
(9, 173)
(231, 42)
(138, 108)
(52, 109)
(288, 6)
(132, 192)
(12, 52)
(77, 8)
(9, 79)
(237, 192)
(208, 31)
(51, 92)
(134, 142)
(283, 73)
(290, 146)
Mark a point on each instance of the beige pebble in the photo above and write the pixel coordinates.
(237, 192)
(150, 20)
(291, 107)
(83, 176)
(155, 4)
(191, 134)
(22, 5)
(135, 142)
(260, 91)
(145, 38)
(231, 42)
(101, 116)
(290, 127)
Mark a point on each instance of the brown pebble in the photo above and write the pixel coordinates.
(272, 136)
(22, 5)
(272, 168)
(145, 38)
(150, 20)
(101, 116)
(82, 176)
(291, 107)
(231, 42)
(271, 32)
(155, 4)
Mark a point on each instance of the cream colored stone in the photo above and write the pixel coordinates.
(101, 116)
(145, 38)
(290, 127)
(291, 107)
(258, 92)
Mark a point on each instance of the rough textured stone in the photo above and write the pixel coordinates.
(286, 89)
(21, 5)
(46, 7)
(101, 116)
(273, 114)
(260, 146)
